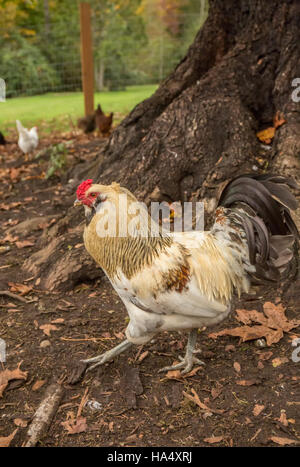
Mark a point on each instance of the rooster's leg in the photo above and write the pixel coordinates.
(109, 355)
(189, 359)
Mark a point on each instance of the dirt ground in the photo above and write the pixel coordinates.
(245, 395)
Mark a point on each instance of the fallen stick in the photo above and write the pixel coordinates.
(13, 295)
(44, 414)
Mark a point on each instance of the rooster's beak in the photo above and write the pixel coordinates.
(77, 203)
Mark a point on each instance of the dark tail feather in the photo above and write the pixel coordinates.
(272, 235)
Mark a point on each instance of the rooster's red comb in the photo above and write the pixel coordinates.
(83, 187)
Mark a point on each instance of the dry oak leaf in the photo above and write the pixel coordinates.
(213, 439)
(271, 325)
(277, 319)
(8, 375)
(282, 441)
(246, 333)
(47, 328)
(74, 426)
(5, 441)
(22, 289)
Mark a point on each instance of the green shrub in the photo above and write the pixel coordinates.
(24, 68)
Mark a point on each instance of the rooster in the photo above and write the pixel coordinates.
(103, 122)
(187, 280)
(28, 139)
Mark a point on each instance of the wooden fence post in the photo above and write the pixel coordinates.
(87, 65)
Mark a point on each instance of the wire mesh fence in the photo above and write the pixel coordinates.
(126, 52)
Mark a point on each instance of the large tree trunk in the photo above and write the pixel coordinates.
(199, 128)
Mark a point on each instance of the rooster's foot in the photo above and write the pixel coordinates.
(189, 359)
(107, 356)
(186, 363)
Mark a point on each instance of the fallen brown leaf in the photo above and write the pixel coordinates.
(282, 441)
(246, 382)
(258, 409)
(8, 375)
(111, 427)
(265, 355)
(272, 324)
(24, 244)
(277, 319)
(5, 441)
(47, 328)
(7, 207)
(213, 439)
(237, 367)
(282, 419)
(20, 422)
(14, 174)
(278, 119)
(176, 374)
(20, 288)
(143, 356)
(244, 316)
(74, 426)
(93, 294)
(38, 384)
(197, 401)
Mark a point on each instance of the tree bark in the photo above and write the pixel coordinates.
(199, 128)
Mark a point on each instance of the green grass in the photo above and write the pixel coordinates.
(53, 110)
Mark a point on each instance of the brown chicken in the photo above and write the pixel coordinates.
(87, 124)
(103, 122)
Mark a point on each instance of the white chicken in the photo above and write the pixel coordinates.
(28, 139)
(186, 280)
